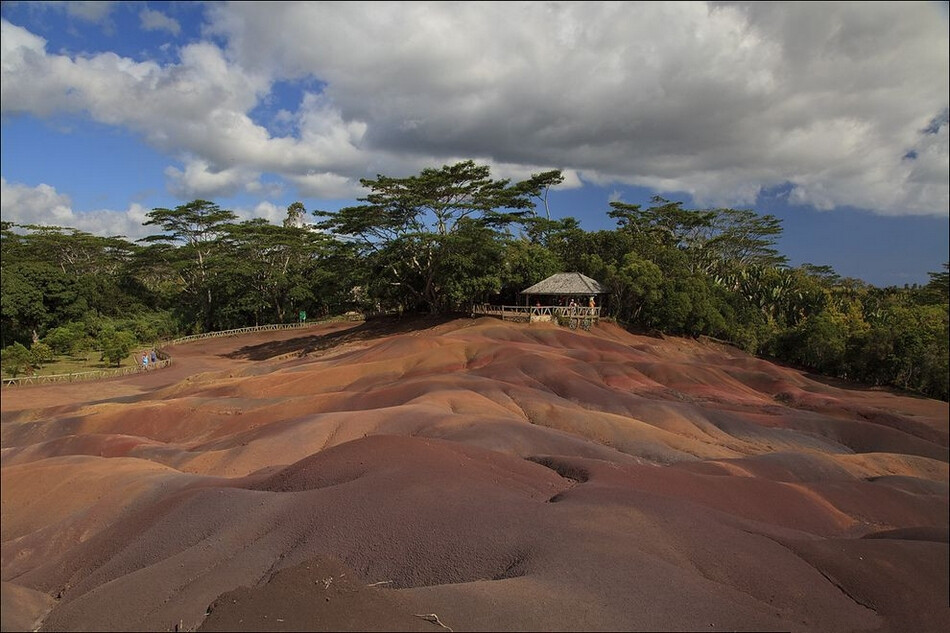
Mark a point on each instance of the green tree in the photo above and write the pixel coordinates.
(41, 353)
(16, 359)
(97, 266)
(115, 345)
(404, 225)
(195, 229)
(60, 339)
(937, 289)
(538, 186)
(295, 215)
(470, 266)
(266, 273)
(525, 263)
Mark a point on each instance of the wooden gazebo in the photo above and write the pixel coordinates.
(562, 287)
(565, 297)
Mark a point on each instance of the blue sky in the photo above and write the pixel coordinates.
(830, 116)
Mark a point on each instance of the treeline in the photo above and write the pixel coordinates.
(447, 238)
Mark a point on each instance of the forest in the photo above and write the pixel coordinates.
(443, 240)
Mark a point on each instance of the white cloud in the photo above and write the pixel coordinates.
(325, 185)
(158, 21)
(200, 180)
(43, 205)
(97, 12)
(719, 100)
(88, 10)
(267, 210)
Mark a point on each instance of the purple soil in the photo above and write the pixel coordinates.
(484, 475)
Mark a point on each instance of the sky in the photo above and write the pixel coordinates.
(832, 117)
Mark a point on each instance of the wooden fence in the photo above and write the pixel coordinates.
(96, 374)
(164, 360)
(238, 331)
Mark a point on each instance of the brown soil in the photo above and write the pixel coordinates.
(472, 474)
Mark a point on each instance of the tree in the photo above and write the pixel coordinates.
(266, 273)
(195, 228)
(16, 358)
(937, 289)
(295, 215)
(470, 266)
(41, 353)
(718, 241)
(539, 186)
(35, 297)
(115, 345)
(404, 225)
(525, 263)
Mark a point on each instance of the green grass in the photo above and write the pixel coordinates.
(66, 364)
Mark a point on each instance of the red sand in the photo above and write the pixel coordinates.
(396, 475)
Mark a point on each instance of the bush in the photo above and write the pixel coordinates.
(61, 338)
(16, 359)
(41, 353)
(115, 345)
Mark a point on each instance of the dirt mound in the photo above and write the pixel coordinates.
(500, 476)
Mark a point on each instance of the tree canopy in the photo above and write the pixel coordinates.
(448, 237)
(408, 227)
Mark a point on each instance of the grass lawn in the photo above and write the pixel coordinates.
(66, 364)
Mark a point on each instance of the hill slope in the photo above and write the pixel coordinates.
(485, 475)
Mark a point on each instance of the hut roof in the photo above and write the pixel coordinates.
(566, 284)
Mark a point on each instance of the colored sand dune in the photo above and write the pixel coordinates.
(477, 475)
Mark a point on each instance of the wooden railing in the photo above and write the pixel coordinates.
(81, 376)
(572, 316)
(238, 331)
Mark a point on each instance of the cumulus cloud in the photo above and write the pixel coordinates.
(199, 179)
(43, 205)
(722, 101)
(719, 100)
(88, 10)
(158, 21)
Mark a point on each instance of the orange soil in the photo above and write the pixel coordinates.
(395, 475)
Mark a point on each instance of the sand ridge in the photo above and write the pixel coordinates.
(503, 476)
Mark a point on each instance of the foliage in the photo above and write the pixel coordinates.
(16, 359)
(406, 228)
(447, 238)
(196, 230)
(40, 354)
(115, 345)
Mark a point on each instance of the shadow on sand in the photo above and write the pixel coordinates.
(367, 330)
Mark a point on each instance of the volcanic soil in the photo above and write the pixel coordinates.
(464, 474)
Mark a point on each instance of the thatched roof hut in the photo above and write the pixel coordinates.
(566, 284)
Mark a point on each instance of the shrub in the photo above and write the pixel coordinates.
(15, 359)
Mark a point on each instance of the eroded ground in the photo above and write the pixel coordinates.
(474, 474)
